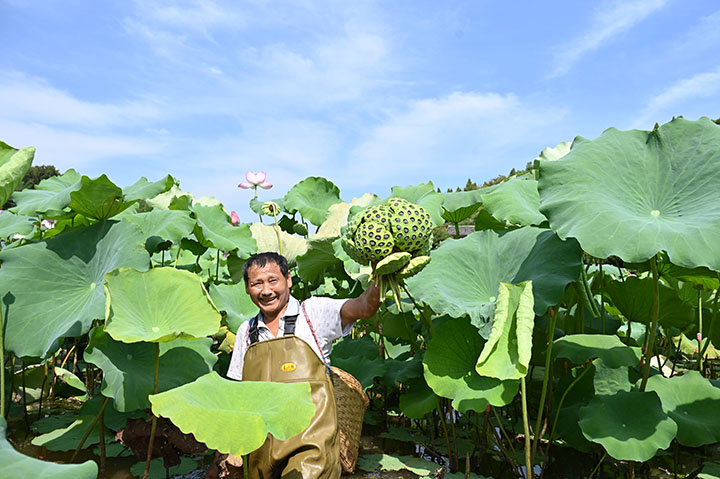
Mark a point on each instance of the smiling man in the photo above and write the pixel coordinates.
(290, 341)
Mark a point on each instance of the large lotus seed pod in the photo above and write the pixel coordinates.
(392, 263)
(374, 240)
(411, 225)
(356, 255)
(425, 248)
(414, 266)
(380, 214)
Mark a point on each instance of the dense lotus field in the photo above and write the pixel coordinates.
(571, 333)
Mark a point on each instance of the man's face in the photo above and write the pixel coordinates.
(268, 288)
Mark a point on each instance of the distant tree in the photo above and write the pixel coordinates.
(34, 176)
(471, 186)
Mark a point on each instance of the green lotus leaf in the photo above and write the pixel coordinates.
(633, 298)
(703, 277)
(214, 230)
(19, 466)
(266, 239)
(384, 462)
(400, 371)
(52, 289)
(359, 357)
(397, 325)
(157, 306)
(506, 354)
(423, 195)
(49, 197)
(14, 165)
(158, 471)
(174, 199)
(312, 197)
(710, 470)
(99, 198)
(319, 257)
(171, 225)
(631, 426)
(578, 395)
(516, 201)
(692, 402)
(392, 263)
(554, 154)
(635, 193)
(579, 348)
(461, 205)
(143, 189)
(214, 409)
(236, 303)
(485, 221)
(11, 224)
(128, 368)
(610, 380)
(417, 399)
(483, 260)
(449, 368)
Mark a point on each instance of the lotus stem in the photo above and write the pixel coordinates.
(700, 330)
(507, 438)
(562, 400)
(588, 294)
(42, 388)
(428, 320)
(217, 266)
(598, 465)
(457, 230)
(711, 330)
(526, 429)
(602, 298)
(395, 290)
(445, 429)
(2, 370)
(153, 428)
(454, 436)
(103, 453)
(24, 398)
(177, 256)
(653, 327)
(246, 466)
(104, 403)
(546, 379)
(67, 356)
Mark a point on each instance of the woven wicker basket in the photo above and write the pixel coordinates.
(351, 405)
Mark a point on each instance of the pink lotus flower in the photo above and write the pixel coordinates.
(234, 219)
(254, 180)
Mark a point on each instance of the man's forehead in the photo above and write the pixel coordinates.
(269, 268)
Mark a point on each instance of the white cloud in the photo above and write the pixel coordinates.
(66, 148)
(609, 20)
(30, 99)
(441, 136)
(671, 101)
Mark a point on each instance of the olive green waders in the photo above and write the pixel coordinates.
(315, 452)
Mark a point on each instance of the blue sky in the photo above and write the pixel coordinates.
(367, 94)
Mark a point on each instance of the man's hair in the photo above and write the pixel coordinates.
(261, 259)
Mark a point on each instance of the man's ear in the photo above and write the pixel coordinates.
(289, 281)
(247, 288)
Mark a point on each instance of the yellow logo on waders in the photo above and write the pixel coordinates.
(287, 367)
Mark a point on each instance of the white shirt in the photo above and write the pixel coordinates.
(324, 314)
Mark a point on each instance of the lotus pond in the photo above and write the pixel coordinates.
(572, 333)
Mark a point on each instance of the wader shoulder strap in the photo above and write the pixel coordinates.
(254, 333)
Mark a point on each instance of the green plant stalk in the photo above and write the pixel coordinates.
(2, 370)
(24, 398)
(507, 438)
(103, 452)
(457, 230)
(246, 466)
(177, 256)
(653, 327)
(423, 316)
(562, 400)
(217, 266)
(543, 391)
(42, 388)
(526, 429)
(712, 325)
(153, 428)
(395, 290)
(454, 436)
(277, 232)
(445, 430)
(700, 330)
(602, 298)
(588, 294)
(598, 465)
(104, 403)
